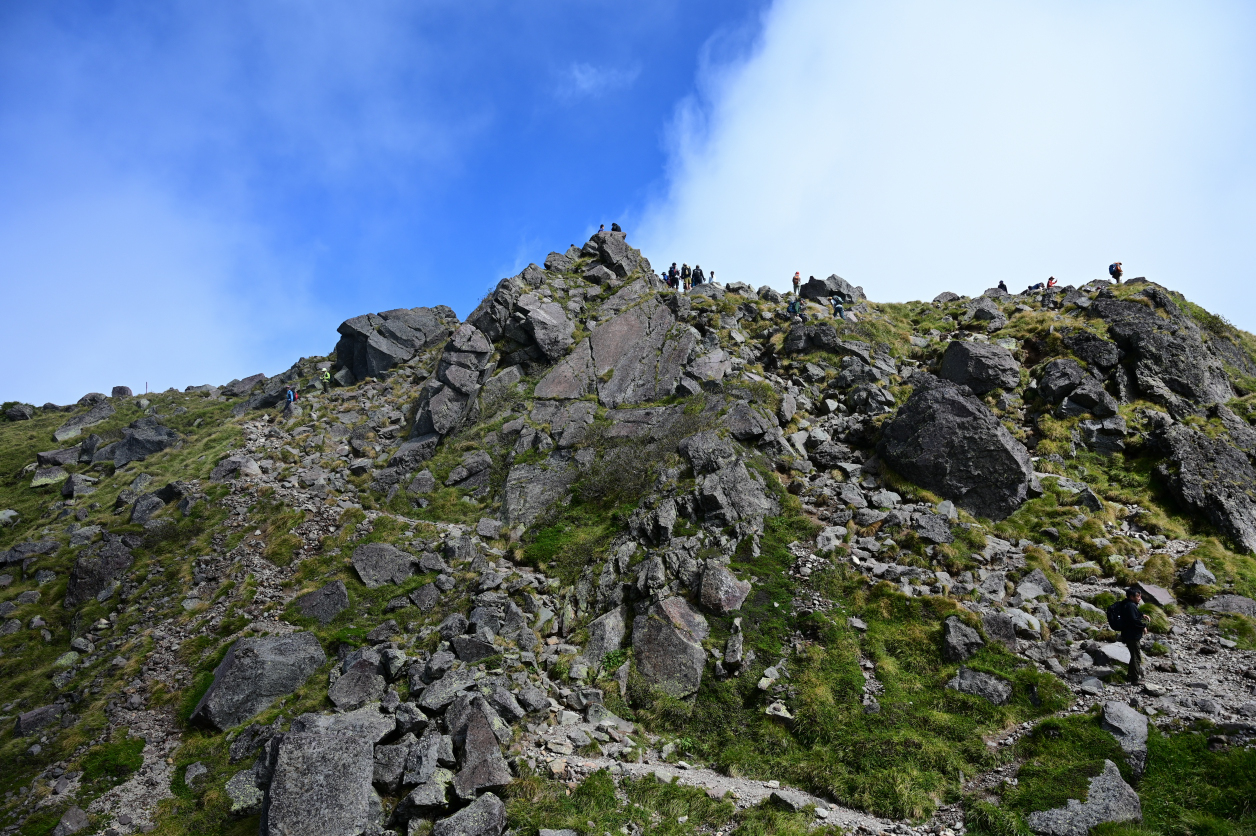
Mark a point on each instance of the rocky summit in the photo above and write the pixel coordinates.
(608, 558)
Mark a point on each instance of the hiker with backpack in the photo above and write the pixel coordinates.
(1115, 271)
(685, 275)
(797, 281)
(290, 395)
(1002, 286)
(698, 277)
(839, 303)
(1124, 617)
(794, 309)
(326, 378)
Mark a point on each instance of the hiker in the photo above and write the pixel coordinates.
(326, 378)
(616, 228)
(290, 395)
(1125, 618)
(1002, 286)
(1033, 287)
(1115, 271)
(839, 309)
(685, 275)
(672, 274)
(698, 277)
(1051, 282)
(601, 227)
(794, 309)
(711, 278)
(797, 281)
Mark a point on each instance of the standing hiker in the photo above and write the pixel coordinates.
(698, 277)
(685, 275)
(1124, 617)
(1002, 286)
(1115, 271)
(797, 281)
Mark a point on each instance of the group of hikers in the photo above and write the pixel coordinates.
(1114, 270)
(794, 308)
(292, 394)
(684, 279)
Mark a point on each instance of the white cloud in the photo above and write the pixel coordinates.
(582, 80)
(915, 147)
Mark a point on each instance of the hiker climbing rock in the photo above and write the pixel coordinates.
(839, 303)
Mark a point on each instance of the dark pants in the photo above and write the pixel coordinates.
(1136, 659)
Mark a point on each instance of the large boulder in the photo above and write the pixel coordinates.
(612, 250)
(1109, 799)
(721, 592)
(1130, 730)
(638, 355)
(1172, 364)
(486, 816)
(959, 641)
(95, 572)
(1212, 478)
(1059, 378)
(483, 767)
(74, 427)
(141, 440)
(947, 441)
(321, 786)
(824, 288)
(530, 489)
(606, 634)
(373, 343)
(382, 563)
(547, 324)
(325, 603)
(667, 647)
(980, 366)
(447, 398)
(256, 672)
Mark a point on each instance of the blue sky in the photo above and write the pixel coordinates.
(195, 192)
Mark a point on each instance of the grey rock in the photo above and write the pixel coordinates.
(92, 574)
(321, 786)
(361, 683)
(46, 476)
(991, 688)
(1109, 799)
(721, 592)
(1212, 478)
(74, 427)
(531, 489)
(382, 563)
(483, 767)
(1130, 730)
(667, 648)
(486, 816)
(980, 366)
(72, 821)
(606, 634)
(256, 672)
(373, 343)
(29, 722)
(20, 412)
(326, 603)
(446, 689)
(1197, 574)
(423, 482)
(141, 440)
(145, 508)
(959, 641)
(243, 795)
(934, 528)
(1059, 378)
(368, 723)
(707, 452)
(1153, 594)
(470, 649)
(834, 285)
(948, 442)
(1089, 396)
(1232, 604)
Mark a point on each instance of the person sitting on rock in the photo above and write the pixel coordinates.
(616, 228)
(601, 227)
(794, 309)
(1115, 271)
(1051, 282)
(1002, 286)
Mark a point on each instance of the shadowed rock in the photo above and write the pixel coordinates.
(256, 672)
(1109, 799)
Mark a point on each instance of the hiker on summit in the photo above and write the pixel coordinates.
(1051, 282)
(1115, 271)
(685, 276)
(616, 228)
(673, 275)
(797, 281)
(698, 277)
(1124, 617)
(1002, 286)
(601, 227)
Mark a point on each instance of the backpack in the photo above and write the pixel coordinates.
(1112, 269)
(1116, 616)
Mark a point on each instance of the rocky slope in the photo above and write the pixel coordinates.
(604, 557)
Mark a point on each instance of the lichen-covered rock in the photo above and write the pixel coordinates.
(531, 489)
(382, 563)
(991, 688)
(980, 366)
(1130, 730)
(667, 648)
(373, 343)
(325, 603)
(94, 573)
(1109, 799)
(321, 786)
(486, 816)
(959, 641)
(1212, 478)
(256, 672)
(721, 592)
(949, 442)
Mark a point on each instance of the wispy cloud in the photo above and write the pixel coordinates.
(581, 80)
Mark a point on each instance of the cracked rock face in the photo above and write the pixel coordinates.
(980, 366)
(947, 441)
